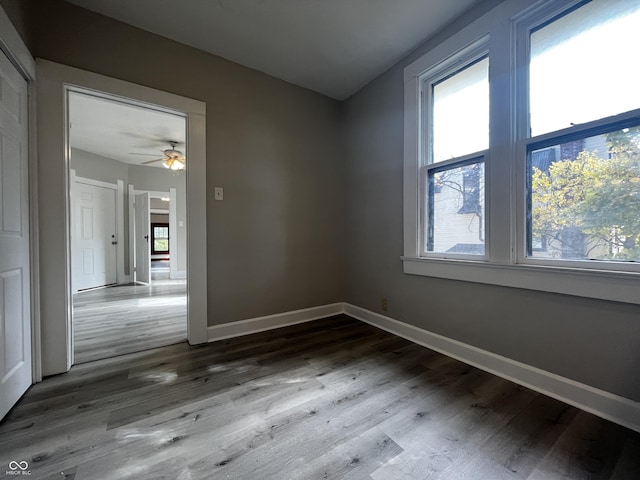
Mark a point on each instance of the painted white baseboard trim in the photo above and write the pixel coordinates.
(269, 322)
(178, 275)
(607, 405)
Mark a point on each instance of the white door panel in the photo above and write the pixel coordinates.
(94, 236)
(143, 232)
(15, 294)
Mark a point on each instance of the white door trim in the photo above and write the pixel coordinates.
(15, 49)
(91, 181)
(173, 235)
(54, 80)
(142, 252)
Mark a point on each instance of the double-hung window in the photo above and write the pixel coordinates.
(522, 150)
(583, 204)
(159, 238)
(455, 105)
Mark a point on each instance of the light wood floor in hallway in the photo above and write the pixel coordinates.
(331, 399)
(130, 318)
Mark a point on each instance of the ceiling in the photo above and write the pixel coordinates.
(127, 133)
(334, 47)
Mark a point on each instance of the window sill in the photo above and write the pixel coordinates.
(599, 284)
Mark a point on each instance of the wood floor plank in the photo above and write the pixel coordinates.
(332, 399)
(628, 464)
(122, 319)
(587, 448)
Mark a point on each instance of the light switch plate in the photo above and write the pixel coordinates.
(218, 193)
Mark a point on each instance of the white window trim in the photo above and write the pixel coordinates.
(505, 264)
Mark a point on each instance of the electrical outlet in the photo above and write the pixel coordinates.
(384, 304)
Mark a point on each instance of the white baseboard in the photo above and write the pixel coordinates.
(178, 275)
(607, 405)
(599, 402)
(269, 322)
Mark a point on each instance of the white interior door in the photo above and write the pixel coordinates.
(143, 232)
(15, 292)
(94, 236)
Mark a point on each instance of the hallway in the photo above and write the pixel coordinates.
(123, 319)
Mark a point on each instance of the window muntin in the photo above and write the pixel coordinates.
(585, 204)
(460, 120)
(455, 208)
(583, 66)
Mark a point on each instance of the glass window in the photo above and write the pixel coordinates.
(455, 212)
(456, 103)
(584, 65)
(585, 204)
(584, 187)
(160, 238)
(461, 112)
(547, 195)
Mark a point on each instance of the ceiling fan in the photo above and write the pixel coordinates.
(173, 159)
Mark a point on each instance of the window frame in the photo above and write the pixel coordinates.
(458, 162)
(597, 127)
(456, 63)
(506, 263)
(153, 239)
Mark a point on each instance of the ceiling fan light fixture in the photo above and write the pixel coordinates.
(173, 159)
(174, 163)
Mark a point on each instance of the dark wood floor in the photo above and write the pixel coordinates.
(128, 318)
(332, 399)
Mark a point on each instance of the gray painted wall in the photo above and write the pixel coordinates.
(594, 342)
(276, 242)
(159, 218)
(97, 167)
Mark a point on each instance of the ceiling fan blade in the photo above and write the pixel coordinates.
(153, 161)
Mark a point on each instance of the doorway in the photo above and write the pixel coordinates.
(120, 152)
(55, 80)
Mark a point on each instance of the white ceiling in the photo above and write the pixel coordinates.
(127, 133)
(334, 47)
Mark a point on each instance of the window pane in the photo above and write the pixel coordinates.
(455, 209)
(461, 113)
(161, 245)
(160, 232)
(584, 66)
(585, 198)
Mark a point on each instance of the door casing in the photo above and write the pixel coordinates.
(54, 83)
(142, 231)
